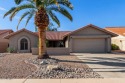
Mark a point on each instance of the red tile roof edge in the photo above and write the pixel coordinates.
(117, 30)
(5, 31)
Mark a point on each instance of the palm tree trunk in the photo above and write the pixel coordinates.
(42, 43)
(42, 21)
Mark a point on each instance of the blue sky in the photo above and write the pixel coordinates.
(101, 13)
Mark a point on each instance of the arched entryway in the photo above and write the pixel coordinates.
(24, 45)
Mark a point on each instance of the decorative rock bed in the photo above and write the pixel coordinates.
(50, 68)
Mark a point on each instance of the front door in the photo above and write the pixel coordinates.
(24, 45)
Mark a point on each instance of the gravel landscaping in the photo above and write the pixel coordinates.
(13, 66)
(62, 67)
(3, 54)
(16, 66)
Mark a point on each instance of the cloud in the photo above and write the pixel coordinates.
(3, 9)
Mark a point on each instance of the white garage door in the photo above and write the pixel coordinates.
(83, 45)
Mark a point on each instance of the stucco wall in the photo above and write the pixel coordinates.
(58, 51)
(53, 51)
(13, 41)
(3, 42)
(67, 42)
(108, 44)
(120, 41)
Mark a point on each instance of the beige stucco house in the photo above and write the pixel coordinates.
(120, 39)
(4, 42)
(88, 39)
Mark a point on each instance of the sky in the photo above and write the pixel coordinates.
(102, 13)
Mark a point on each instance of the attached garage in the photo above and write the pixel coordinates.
(90, 39)
(89, 45)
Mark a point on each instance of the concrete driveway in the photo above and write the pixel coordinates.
(107, 65)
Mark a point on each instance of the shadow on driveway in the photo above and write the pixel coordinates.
(105, 64)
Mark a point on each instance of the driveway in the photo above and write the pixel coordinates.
(107, 65)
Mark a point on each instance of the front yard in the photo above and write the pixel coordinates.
(14, 66)
(26, 65)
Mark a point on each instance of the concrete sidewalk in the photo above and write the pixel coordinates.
(107, 65)
(111, 80)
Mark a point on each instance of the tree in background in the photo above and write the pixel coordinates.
(51, 27)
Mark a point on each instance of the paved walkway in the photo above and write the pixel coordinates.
(107, 65)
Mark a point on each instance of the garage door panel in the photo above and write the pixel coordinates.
(88, 45)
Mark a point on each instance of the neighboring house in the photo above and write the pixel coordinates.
(88, 39)
(120, 39)
(4, 42)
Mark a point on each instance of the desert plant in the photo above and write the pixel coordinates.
(115, 47)
(10, 50)
(43, 11)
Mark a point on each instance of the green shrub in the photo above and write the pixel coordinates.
(10, 50)
(115, 47)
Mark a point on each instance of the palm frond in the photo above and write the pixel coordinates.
(54, 18)
(29, 17)
(64, 12)
(9, 12)
(39, 3)
(61, 10)
(22, 17)
(65, 3)
(19, 8)
(18, 1)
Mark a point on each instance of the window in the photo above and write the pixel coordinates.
(23, 44)
(56, 44)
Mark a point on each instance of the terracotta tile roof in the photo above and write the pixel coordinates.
(117, 30)
(55, 35)
(10, 35)
(50, 35)
(5, 31)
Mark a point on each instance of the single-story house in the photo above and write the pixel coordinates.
(88, 39)
(120, 39)
(4, 42)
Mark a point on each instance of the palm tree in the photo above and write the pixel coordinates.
(50, 27)
(43, 11)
